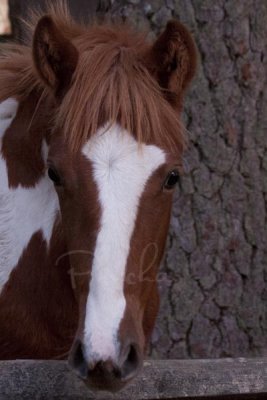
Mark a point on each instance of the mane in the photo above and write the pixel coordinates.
(111, 82)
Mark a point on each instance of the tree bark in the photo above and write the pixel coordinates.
(213, 286)
(20, 9)
(214, 297)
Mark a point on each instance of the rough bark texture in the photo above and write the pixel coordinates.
(214, 297)
(83, 9)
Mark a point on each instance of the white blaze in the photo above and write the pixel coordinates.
(121, 169)
(23, 211)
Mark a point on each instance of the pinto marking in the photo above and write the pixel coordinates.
(113, 200)
(23, 211)
(120, 169)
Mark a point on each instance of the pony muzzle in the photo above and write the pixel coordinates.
(106, 374)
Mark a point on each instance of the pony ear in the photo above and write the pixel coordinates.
(172, 60)
(54, 56)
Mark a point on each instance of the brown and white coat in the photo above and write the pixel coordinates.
(96, 110)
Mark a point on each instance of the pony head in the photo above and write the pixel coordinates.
(114, 156)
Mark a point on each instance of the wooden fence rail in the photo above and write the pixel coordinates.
(165, 379)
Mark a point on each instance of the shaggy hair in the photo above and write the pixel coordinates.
(112, 82)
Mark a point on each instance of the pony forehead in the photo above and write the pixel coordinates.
(112, 147)
(112, 83)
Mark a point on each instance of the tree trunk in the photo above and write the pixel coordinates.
(214, 297)
(213, 287)
(20, 9)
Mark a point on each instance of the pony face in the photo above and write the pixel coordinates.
(115, 199)
(114, 157)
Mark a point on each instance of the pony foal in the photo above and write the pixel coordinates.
(91, 144)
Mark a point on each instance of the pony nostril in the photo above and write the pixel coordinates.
(106, 368)
(131, 364)
(77, 360)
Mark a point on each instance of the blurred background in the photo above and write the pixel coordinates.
(214, 277)
(5, 27)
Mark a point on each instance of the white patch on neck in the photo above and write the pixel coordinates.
(121, 170)
(23, 211)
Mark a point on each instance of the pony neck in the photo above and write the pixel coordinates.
(32, 242)
(23, 143)
(28, 201)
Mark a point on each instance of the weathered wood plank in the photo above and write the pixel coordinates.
(164, 379)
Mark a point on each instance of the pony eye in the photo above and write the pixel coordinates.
(54, 176)
(171, 179)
